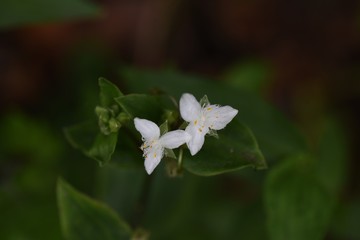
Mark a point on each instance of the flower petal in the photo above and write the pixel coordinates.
(153, 159)
(189, 107)
(197, 138)
(174, 139)
(218, 117)
(147, 129)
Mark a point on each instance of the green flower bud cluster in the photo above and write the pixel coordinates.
(110, 119)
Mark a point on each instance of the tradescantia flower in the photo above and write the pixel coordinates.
(202, 119)
(154, 145)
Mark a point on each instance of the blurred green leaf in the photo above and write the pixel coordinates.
(41, 142)
(302, 192)
(83, 218)
(332, 170)
(30, 151)
(14, 13)
(332, 157)
(87, 138)
(108, 92)
(346, 224)
(298, 206)
(140, 105)
(250, 75)
(276, 136)
(235, 149)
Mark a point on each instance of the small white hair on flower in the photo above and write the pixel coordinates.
(154, 145)
(202, 119)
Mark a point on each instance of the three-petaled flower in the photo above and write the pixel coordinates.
(202, 119)
(154, 145)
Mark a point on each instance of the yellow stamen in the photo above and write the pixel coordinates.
(195, 122)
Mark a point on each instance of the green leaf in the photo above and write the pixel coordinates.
(346, 225)
(332, 168)
(301, 193)
(140, 105)
(250, 76)
(39, 143)
(87, 138)
(235, 149)
(204, 101)
(298, 206)
(276, 136)
(332, 157)
(83, 218)
(108, 92)
(15, 13)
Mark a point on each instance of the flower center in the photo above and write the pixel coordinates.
(148, 146)
(200, 122)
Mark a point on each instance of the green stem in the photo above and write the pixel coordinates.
(180, 158)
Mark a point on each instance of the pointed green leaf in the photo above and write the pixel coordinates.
(83, 218)
(204, 101)
(15, 13)
(103, 147)
(108, 92)
(235, 149)
(140, 105)
(87, 138)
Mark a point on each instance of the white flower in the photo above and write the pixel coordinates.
(153, 146)
(203, 118)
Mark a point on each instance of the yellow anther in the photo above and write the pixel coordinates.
(200, 130)
(209, 108)
(195, 122)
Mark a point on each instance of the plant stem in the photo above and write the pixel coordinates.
(180, 158)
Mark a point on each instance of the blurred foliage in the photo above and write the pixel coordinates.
(30, 152)
(15, 13)
(251, 75)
